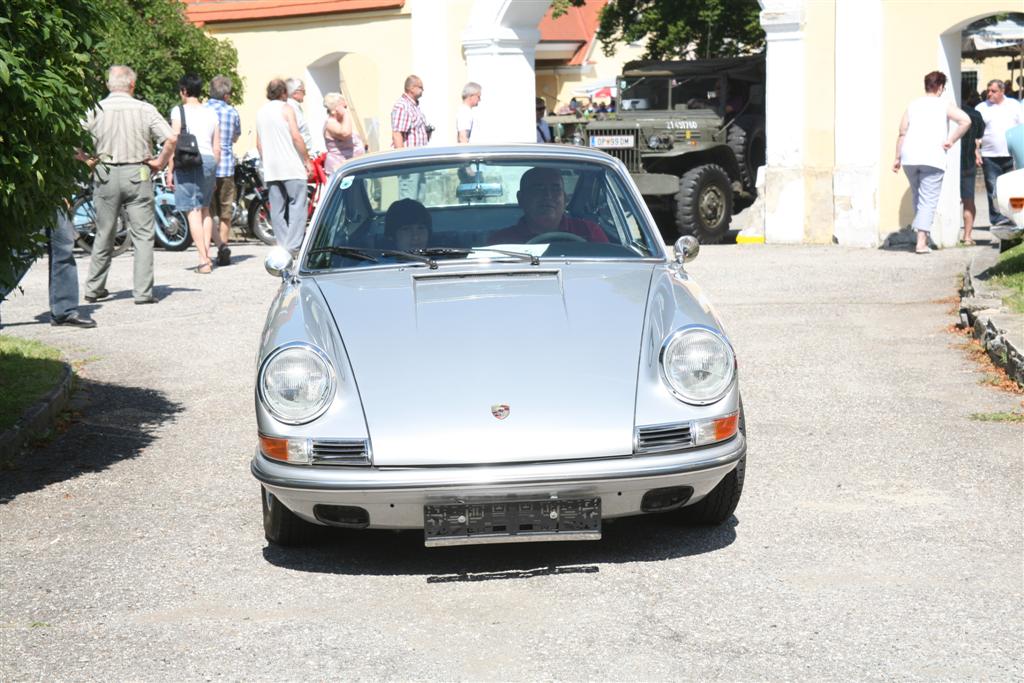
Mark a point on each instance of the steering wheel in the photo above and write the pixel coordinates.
(556, 236)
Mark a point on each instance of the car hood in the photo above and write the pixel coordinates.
(438, 356)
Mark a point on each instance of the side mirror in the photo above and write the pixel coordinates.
(687, 247)
(278, 261)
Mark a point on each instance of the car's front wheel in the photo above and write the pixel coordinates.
(281, 526)
(718, 506)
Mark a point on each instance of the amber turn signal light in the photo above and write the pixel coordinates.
(274, 447)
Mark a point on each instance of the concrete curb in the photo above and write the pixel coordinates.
(1000, 333)
(38, 418)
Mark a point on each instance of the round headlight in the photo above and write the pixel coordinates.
(296, 383)
(698, 365)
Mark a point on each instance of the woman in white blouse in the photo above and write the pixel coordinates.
(921, 149)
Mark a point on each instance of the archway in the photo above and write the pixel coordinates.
(327, 74)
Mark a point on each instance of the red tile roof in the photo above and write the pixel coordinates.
(205, 11)
(579, 24)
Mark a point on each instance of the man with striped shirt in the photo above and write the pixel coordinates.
(124, 130)
(408, 126)
(223, 200)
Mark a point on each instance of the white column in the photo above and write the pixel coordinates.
(785, 106)
(858, 125)
(430, 61)
(499, 45)
(946, 226)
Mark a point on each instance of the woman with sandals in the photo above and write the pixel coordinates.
(193, 186)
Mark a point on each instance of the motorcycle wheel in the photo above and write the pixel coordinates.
(259, 222)
(83, 216)
(174, 235)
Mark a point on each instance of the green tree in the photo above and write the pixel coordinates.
(53, 60)
(680, 29)
(158, 42)
(48, 79)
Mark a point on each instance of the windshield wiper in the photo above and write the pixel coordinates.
(521, 255)
(367, 254)
(353, 252)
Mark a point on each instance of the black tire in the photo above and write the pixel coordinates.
(175, 236)
(746, 139)
(259, 222)
(281, 526)
(704, 203)
(83, 217)
(718, 506)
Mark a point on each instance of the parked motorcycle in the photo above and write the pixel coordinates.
(251, 194)
(171, 227)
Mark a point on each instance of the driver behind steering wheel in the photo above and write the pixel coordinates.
(541, 196)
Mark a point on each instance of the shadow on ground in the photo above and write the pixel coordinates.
(650, 538)
(107, 423)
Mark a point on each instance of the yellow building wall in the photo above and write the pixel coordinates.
(911, 45)
(819, 140)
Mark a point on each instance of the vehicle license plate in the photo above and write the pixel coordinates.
(512, 522)
(612, 141)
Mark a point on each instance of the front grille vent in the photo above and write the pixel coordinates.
(341, 452)
(661, 438)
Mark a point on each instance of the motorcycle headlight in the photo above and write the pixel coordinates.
(698, 365)
(296, 383)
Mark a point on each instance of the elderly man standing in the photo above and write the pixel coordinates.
(223, 200)
(296, 96)
(465, 117)
(408, 126)
(1000, 114)
(124, 130)
(286, 166)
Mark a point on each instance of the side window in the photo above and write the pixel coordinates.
(627, 221)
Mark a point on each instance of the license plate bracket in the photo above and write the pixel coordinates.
(512, 521)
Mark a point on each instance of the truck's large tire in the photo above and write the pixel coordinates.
(746, 139)
(704, 203)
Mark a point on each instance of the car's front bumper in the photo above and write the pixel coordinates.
(394, 497)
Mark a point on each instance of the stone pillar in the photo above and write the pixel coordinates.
(499, 44)
(785, 107)
(858, 124)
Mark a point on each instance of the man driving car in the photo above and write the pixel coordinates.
(541, 196)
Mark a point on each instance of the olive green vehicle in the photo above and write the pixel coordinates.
(691, 134)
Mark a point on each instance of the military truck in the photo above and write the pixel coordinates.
(692, 135)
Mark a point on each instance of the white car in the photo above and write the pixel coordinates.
(1010, 201)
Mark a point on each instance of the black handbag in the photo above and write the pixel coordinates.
(186, 152)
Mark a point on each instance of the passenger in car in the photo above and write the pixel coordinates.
(407, 225)
(541, 196)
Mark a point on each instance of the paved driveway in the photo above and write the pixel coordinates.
(880, 535)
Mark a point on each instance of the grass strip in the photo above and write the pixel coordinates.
(1009, 273)
(28, 371)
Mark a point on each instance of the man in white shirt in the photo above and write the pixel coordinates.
(1000, 114)
(286, 166)
(296, 96)
(465, 118)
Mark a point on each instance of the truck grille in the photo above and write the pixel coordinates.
(340, 452)
(668, 437)
(630, 157)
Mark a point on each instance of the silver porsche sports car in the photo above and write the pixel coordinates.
(491, 345)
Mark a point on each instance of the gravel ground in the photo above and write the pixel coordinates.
(880, 534)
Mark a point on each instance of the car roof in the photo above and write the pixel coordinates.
(532, 152)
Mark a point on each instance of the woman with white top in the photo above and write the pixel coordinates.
(921, 150)
(193, 187)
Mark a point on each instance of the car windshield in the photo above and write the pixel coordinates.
(428, 212)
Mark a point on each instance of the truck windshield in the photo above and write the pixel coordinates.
(644, 92)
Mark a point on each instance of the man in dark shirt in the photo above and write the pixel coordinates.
(541, 196)
(970, 160)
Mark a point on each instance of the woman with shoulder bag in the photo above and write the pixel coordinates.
(191, 173)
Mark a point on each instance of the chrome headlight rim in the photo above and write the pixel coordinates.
(328, 397)
(681, 396)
